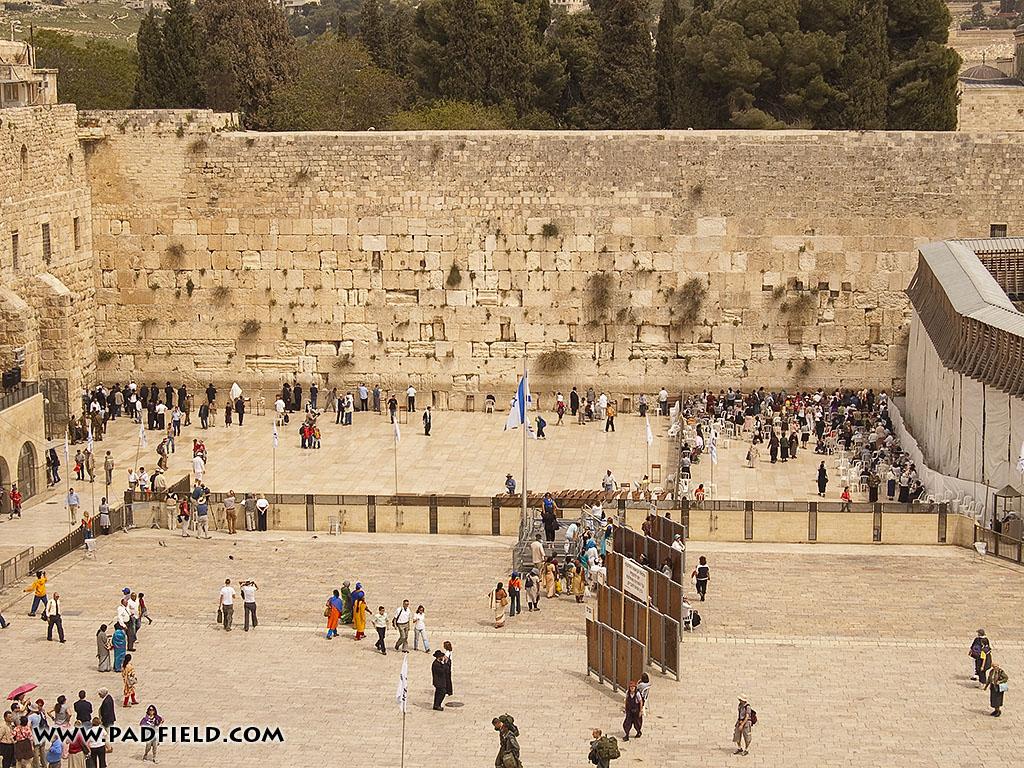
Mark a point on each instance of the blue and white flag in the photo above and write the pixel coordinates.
(713, 446)
(142, 435)
(650, 435)
(398, 432)
(520, 405)
(88, 441)
(275, 433)
(1020, 460)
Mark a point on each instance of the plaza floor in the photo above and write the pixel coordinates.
(852, 656)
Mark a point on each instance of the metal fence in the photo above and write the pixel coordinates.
(120, 519)
(1000, 545)
(17, 394)
(15, 568)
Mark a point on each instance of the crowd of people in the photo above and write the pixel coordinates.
(854, 422)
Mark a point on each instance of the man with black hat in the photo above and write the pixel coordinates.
(439, 679)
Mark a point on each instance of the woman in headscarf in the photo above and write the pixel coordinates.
(103, 648)
(996, 684)
(346, 601)
(499, 599)
(153, 720)
(578, 581)
(550, 577)
(359, 611)
(119, 643)
(128, 675)
(333, 611)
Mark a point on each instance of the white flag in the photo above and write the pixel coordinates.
(402, 694)
(142, 435)
(275, 434)
(1020, 460)
(398, 432)
(650, 435)
(713, 447)
(88, 441)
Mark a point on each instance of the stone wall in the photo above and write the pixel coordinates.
(678, 258)
(47, 291)
(991, 108)
(23, 426)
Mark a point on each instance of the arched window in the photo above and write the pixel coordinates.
(27, 471)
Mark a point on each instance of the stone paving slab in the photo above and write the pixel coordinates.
(851, 655)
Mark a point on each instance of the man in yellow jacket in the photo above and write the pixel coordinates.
(38, 590)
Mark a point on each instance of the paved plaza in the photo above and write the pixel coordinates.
(853, 656)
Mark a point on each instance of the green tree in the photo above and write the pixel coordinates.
(665, 70)
(922, 86)
(247, 53)
(447, 115)
(181, 83)
(622, 96)
(337, 88)
(149, 86)
(486, 51)
(373, 30)
(866, 68)
(93, 74)
(573, 38)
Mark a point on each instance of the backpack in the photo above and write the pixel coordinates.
(607, 748)
(753, 716)
(510, 722)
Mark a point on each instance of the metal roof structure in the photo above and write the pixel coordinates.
(967, 313)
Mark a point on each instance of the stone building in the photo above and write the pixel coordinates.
(22, 84)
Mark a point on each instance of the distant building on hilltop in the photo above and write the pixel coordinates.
(21, 83)
(292, 6)
(571, 6)
(992, 97)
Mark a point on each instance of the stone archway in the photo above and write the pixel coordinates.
(27, 471)
(5, 484)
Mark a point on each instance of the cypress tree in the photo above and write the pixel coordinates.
(149, 83)
(624, 88)
(181, 81)
(665, 63)
(373, 32)
(866, 69)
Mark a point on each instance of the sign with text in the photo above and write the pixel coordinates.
(634, 579)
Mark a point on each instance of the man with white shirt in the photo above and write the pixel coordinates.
(663, 401)
(227, 604)
(410, 394)
(124, 618)
(133, 609)
(364, 396)
(608, 482)
(537, 553)
(248, 589)
(161, 410)
(279, 409)
(73, 504)
(198, 466)
(401, 622)
(143, 480)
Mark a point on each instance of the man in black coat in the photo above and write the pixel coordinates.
(107, 716)
(439, 679)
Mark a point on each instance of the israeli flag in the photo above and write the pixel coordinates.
(520, 405)
(142, 435)
(713, 446)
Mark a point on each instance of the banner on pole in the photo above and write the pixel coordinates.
(650, 435)
(402, 694)
(142, 435)
(275, 434)
(520, 405)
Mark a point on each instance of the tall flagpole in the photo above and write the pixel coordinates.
(525, 406)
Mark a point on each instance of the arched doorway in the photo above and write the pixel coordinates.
(27, 471)
(5, 484)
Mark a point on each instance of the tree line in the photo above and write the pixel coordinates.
(623, 64)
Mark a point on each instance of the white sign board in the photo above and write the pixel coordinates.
(590, 613)
(634, 579)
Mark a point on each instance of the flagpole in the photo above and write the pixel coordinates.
(403, 736)
(526, 427)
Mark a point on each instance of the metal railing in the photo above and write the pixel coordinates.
(17, 394)
(15, 568)
(1000, 545)
(120, 519)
